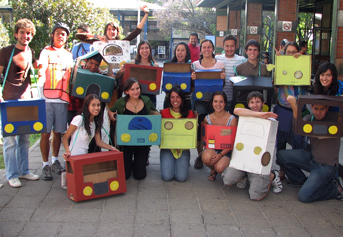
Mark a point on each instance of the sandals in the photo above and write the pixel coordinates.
(213, 175)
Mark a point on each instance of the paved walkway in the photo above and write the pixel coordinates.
(152, 207)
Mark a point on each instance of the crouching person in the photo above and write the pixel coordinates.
(321, 160)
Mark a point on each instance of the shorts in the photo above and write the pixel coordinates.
(56, 117)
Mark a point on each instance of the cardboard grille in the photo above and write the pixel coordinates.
(319, 128)
(179, 133)
(95, 175)
(254, 145)
(23, 117)
(177, 74)
(149, 77)
(138, 130)
(218, 137)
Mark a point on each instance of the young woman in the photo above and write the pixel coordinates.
(182, 54)
(325, 80)
(175, 163)
(206, 61)
(133, 104)
(84, 127)
(218, 160)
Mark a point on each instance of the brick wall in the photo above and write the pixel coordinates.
(287, 12)
(254, 19)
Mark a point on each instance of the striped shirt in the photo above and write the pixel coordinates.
(229, 71)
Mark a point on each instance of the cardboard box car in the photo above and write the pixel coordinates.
(218, 137)
(148, 76)
(23, 116)
(242, 88)
(291, 71)
(333, 128)
(179, 133)
(207, 82)
(95, 175)
(177, 74)
(138, 130)
(254, 145)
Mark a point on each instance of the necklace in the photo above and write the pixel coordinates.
(134, 106)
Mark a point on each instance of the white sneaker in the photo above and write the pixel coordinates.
(277, 185)
(29, 176)
(15, 183)
(243, 183)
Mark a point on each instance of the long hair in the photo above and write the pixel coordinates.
(116, 26)
(188, 53)
(204, 41)
(127, 86)
(183, 108)
(318, 87)
(222, 93)
(139, 57)
(98, 120)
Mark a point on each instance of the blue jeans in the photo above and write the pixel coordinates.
(174, 168)
(16, 155)
(319, 185)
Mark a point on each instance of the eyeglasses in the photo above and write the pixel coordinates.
(291, 52)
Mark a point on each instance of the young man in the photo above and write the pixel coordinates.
(252, 67)
(55, 64)
(259, 184)
(321, 160)
(92, 64)
(81, 48)
(230, 59)
(303, 47)
(194, 47)
(17, 86)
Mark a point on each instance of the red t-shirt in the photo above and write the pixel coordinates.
(195, 52)
(166, 113)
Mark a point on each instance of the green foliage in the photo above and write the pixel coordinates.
(305, 28)
(3, 36)
(184, 15)
(267, 33)
(44, 14)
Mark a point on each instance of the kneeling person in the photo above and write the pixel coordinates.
(259, 184)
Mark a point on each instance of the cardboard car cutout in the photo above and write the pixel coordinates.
(218, 137)
(177, 74)
(207, 82)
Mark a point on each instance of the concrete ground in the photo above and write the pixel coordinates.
(152, 207)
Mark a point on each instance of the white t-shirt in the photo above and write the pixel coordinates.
(229, 71)
(80, 145)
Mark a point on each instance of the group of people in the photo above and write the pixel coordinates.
(86, 116)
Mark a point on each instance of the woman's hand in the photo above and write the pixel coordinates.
(66, 155)
(222, 75)
(194, 76)
(112, 115)
(215, 158)
(145, 9)
(112, 148)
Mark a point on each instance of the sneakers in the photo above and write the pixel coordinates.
(276, 182)
(15, 183)
(243, 183)
(46, 173)
(198, 163)
(29, 176)
(56, 167)
(339, 183)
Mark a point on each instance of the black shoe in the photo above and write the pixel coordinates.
(198, 163)
(46, 173)
(339, 183)
(56, 167)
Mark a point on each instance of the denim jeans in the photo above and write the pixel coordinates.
(172, 168)
(319, 185)
(16, 155)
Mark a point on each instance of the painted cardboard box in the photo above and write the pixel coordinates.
(177, 74)
(95, 175)
(291, 71)
(114, 52)
(85, 82)
(320, 128)
(23, 116)
(252, 83)
(138, 130)
(148, 76)
(207, 82)
(218, 137)
(254, 145)
(179, 133)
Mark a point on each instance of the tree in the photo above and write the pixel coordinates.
(184, 15)
(3, 36)
(44, 14)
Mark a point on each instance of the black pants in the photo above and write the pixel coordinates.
(137, 165)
